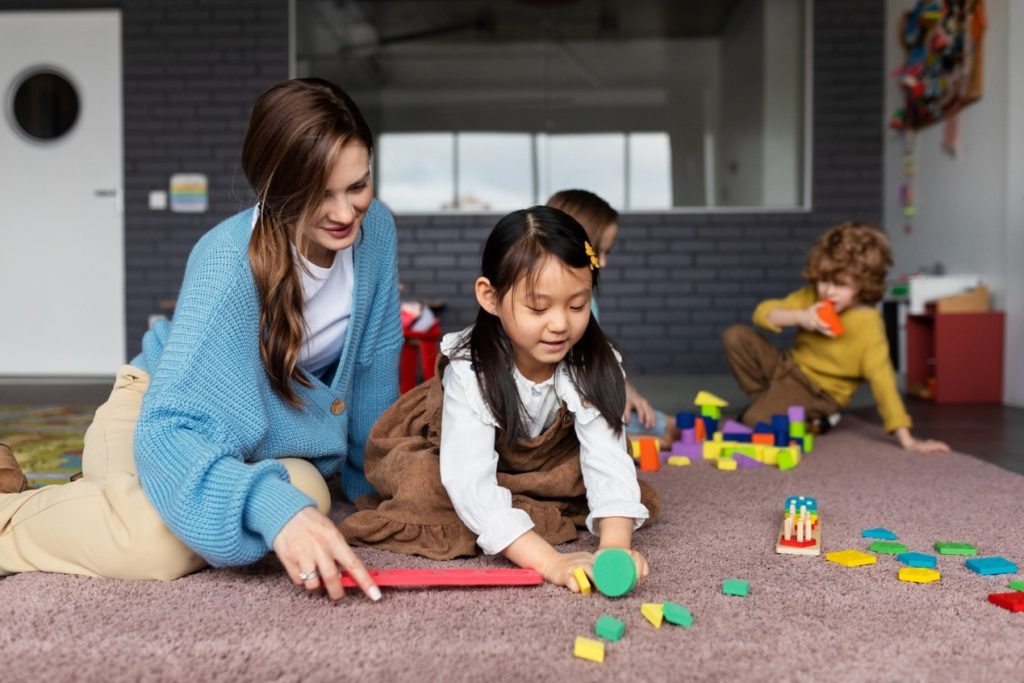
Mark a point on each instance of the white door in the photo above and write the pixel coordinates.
(61, 219)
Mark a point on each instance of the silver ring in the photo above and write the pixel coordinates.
(307, 576)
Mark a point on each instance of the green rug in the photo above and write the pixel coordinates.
(46, 440)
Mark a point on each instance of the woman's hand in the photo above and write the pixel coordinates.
(311, 549)
(559, 569)
(634, 401)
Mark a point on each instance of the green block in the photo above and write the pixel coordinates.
(1017, 585)
(787, 459)
(797, 430)
(714, 412)
(614, 572)
(736, 587)
(887, 547)
(951, 548)
(677, 614)
(746, 449)
(609, 628)
(808, 443)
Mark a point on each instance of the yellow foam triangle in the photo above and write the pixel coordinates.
(706, 398)
(654, 612)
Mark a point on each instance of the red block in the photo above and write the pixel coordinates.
(1013, 601)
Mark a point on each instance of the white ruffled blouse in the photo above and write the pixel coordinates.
(469, 462)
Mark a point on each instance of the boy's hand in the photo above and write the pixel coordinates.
(908, 442)
(809, 320)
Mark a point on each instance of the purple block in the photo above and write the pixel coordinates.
(745, 462)
(690, 435)
(797, 414)
(694, 451)
(734, 427)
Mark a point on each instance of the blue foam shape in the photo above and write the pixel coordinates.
(738, 438)
(879, 532)
(685, 420)
(780, 423)
(917, 560)
(989, 566)
(762, 428)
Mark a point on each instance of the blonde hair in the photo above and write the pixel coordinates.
(858, 251)
(589, 210)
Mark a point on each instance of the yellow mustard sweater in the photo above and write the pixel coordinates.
(839, 365)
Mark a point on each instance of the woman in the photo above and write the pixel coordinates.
(216, 441)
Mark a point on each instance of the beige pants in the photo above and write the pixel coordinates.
(103, 524)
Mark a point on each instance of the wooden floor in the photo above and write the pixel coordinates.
(992, 433)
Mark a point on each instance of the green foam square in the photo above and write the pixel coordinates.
(736, 587)
(609, 628)
(677, 614)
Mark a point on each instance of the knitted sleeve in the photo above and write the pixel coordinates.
(876, 368)
(375, 378)
(204, 410)
(801, 298)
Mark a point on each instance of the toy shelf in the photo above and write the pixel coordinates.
(958, 357)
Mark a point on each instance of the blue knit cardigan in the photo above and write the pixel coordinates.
(211, 427)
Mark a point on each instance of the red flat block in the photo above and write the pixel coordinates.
(1013, 601)
(450, 577)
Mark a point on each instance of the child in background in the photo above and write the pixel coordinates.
(601, 222)
(518, 440)
(847, 266)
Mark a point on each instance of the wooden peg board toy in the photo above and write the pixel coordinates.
(801, 527)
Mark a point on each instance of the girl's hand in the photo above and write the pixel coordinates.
(311, 548)
(560, 568)
(634, 401)
(908, 442)
(642, 568)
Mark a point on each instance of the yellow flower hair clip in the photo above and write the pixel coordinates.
(594, 263)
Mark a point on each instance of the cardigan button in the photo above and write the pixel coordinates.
(338, 407)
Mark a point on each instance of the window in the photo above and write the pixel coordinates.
(491, 105)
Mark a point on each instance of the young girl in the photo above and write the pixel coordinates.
(518, 441)
(846, 266)
(216, 441)
(601, 222)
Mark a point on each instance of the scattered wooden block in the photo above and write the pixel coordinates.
(919, 574)
(588, 648)
(1017, 585)
(653, 612)
(609, 628)
(851, 558)
(726, 464)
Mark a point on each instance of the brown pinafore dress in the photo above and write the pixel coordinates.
(412, 512)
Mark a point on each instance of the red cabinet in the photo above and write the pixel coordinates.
(958, 356)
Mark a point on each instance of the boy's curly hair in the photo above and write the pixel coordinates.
(853, 250)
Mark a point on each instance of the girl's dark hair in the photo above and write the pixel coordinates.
(516, 248)
(296, 131)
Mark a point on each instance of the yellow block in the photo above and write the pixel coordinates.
(770, 455)
(588, 648)
(678, 460)
(759, 450)
(850, 558)
(726, 464)
(654, 612)
(712, 449)
(718, 436)
(582, 580)
(706, 398)
(919, 574)
(634, 449)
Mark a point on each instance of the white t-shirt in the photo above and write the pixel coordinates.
(469, 462)
(327, 295)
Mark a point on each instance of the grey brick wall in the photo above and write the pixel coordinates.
(192, 69)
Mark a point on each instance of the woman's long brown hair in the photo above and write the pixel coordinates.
(295, 133)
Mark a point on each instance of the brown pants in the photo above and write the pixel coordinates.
(770, 378)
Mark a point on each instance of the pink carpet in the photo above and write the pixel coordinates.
(805, 619)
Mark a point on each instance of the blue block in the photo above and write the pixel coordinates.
(782, 438)
(879, 532)
(710, 425)
(917, 560)
(780, 423)
(989, 566)
(737, 437)
(762, 428)
(685, 420)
